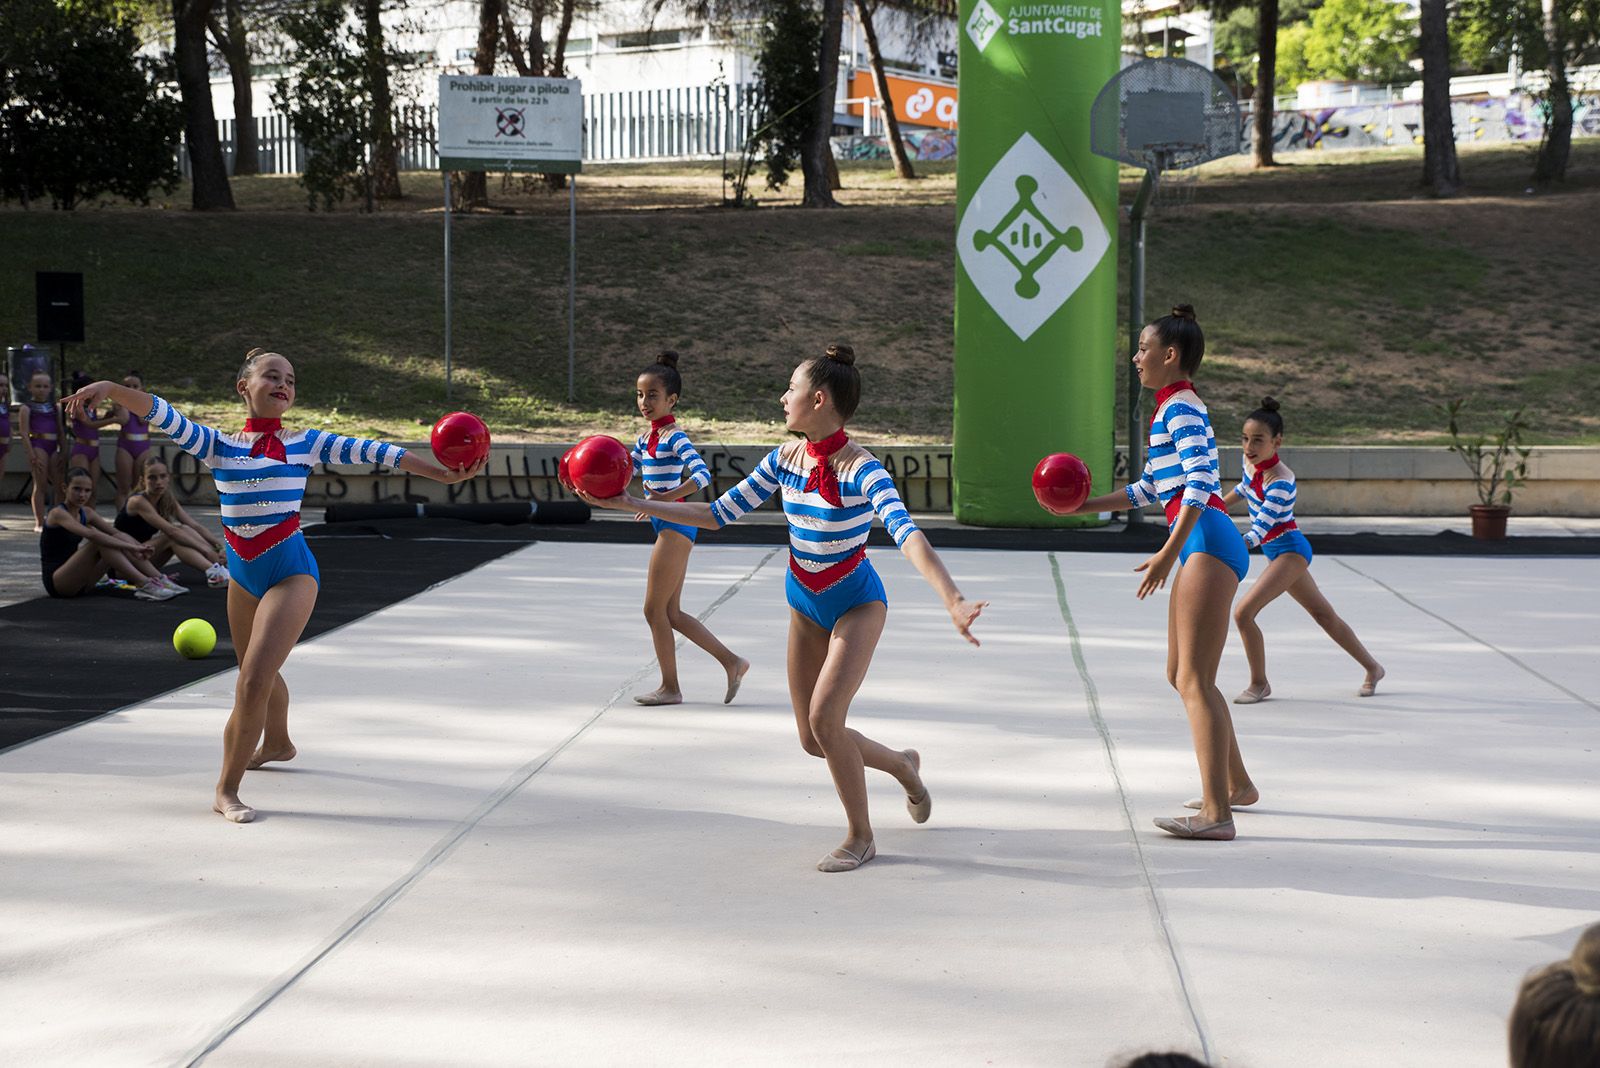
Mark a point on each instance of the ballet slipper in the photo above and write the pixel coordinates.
(234, 812)
(1370, 686)
(1194, 827)
(850, 861)
(919, 807)
(734, 680)
(659, 697)
(1253, 697)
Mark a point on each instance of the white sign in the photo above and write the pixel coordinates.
(490, 123)
(1030, 236)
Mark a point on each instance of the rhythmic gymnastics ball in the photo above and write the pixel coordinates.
(600, 466)
(1061, 483)
(194, 639)
(460, 440)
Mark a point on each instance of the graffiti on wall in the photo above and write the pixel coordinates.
(1355, 126)
(1381, 125)
(920, 145)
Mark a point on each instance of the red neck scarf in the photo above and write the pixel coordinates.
(1165, 392)
(267, 444)
(1257, 480)
(656, 426)
(822, 477)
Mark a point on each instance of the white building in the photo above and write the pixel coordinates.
(620, 48)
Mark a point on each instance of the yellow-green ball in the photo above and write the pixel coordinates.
(194, 638)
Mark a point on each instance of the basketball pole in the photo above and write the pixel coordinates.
(1136, 217)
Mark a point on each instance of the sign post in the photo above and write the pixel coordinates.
(1036, 275)
(487, 123)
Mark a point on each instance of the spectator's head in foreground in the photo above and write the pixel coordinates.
(1556, 1021)
(1164, 1060)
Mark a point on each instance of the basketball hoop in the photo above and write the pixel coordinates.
(1167, 116)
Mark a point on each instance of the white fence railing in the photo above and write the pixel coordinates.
(694, 122)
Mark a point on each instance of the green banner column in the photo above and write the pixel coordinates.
(1036, 262)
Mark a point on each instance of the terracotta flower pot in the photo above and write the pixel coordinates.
(1489, 521)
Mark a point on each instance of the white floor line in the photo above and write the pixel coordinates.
(1578, 697)
(1158, 910)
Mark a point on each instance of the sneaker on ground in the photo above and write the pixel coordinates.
(177, 588)
(152, 591)
(216, 576)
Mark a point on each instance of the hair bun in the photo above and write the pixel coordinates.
(841, 354)
(668, 358)
(1269, 404)
(1184, 311)
(1586, 962)
(253, 353)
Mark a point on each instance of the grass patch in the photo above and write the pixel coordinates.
(1359, 312)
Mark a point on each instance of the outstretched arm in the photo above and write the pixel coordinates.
(416, 465)
(687, 513)
(92, 395)
(963, 613)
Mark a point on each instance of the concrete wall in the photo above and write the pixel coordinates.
(1334, 480)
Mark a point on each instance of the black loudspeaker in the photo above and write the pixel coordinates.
(58, 300)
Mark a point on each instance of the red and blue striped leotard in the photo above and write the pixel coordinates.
(1270, 493)
(1183, 471)
(261, 492)
(665, 462)
(829, 572)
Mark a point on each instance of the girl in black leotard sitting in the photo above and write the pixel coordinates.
(76, 547)
(153, 517)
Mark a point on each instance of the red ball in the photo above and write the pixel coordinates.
(1061, 483)
(600, 466)
(563, 475)
(460, 440)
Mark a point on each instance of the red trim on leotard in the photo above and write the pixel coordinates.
(832, 575)
(1172, 507)
(250, 548)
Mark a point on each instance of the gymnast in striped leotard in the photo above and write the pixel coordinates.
(831, 489)
(1209, 556)
(671, 469)
(261, 477)
(1268, 488)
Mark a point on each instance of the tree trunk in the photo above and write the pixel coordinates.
(527, 56)
(475, 187)
(558, 62)
(880, 82)
(210, 173)
(1440, 172)
(1266, 79)
(558, 69)
(818, 151)
(1552, 165)
(381, 141)
(233, 42)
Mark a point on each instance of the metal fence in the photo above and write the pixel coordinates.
(698, 122)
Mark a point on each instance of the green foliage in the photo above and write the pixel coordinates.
(1361, 40)
(1499, 464)
(1234, 38)
(787, 80)
(83, 113)
(1485, 33)
(327, 100)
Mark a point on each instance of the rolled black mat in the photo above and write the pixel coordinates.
(541, 512)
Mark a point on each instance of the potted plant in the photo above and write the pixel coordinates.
(1499, 464)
